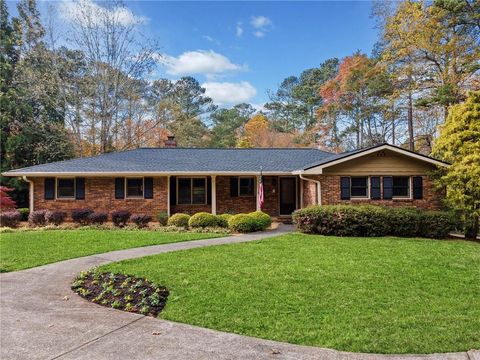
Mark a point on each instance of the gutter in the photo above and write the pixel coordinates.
(319, 186)
(31, 192)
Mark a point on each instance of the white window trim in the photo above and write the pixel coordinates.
(126, 187)
(254, 186)
(74, 188)
(191, 189)
(368, 197)
(410, 192)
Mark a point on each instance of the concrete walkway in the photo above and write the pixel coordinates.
(41, 318)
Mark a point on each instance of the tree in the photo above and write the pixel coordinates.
(228, 124)
(6, 201)
(459, 144)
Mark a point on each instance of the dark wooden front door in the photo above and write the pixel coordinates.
(288, 198)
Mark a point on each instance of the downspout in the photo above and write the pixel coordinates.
(30, 191)
(319, 188)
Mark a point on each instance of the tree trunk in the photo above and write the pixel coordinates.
(471, 228)
(411, 142)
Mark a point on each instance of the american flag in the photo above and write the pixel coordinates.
(261, 193)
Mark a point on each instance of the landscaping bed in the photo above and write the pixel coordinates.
(122, 292)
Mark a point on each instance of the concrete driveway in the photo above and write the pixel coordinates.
(41, 318)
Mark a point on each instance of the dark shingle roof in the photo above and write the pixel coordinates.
(187, 160)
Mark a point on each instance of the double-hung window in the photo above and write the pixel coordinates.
(401, 186)
(134, 187)
(246, 186)
(359, 187)
(66, 188)
(192, 191)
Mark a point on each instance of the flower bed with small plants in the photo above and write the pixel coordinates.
(122, 219)
(123, 292)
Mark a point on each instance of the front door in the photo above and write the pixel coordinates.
(288, 198)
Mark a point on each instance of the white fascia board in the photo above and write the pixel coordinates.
(139, 173)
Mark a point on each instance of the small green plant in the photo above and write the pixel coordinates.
(128, 298)
(116, 304)
(162, 218)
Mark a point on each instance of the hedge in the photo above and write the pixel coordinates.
(263, 220)
(369, 220)
(10, 218)
(55, 217)
(243, 223)
(141, 220)
(120, 217)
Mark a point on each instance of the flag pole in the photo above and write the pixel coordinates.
(261, 191)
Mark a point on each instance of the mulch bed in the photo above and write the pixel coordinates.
(121, 292)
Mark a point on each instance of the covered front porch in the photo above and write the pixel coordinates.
(234, 193)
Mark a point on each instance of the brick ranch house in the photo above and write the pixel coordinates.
(152, 180)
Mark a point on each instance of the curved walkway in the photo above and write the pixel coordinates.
(41, 318)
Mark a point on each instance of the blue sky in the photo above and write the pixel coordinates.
(241, 49)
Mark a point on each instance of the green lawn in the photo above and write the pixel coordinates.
(22, 250)
(382, 295)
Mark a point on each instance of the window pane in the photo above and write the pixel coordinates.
(401, 185)
(247, 186)
(134, 187)
(184, 191)
(359, 187)
(66, 188)
(199, 191)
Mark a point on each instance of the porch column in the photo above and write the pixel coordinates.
(301, 193)
(214, 194)
(168, 195)
(256, 194)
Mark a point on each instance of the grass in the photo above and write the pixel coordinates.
(22, 250)
(380, 295)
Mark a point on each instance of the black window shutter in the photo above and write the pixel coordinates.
(148, 188)
(387, 187)
(173, 190)
(233, 186)
(49, 189)
(209, 190)
(79, 188)
(375, 187)
(417, 187)
(119, 188)
(345, 188)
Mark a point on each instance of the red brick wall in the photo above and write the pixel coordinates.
(246, 204)
(331, 195)
(100, 196)
(309, 192)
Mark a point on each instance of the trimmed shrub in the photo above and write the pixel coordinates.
(37, 217)
(222, 220)
(55, 217)
(162, 218)
(263, 220)
(141, 220)
(203, 219)
(81, 216)
(179, 219)
(24, 212)
(10, 218)
(98, 218)
(243, 223)
(120, 217)
(369, 220)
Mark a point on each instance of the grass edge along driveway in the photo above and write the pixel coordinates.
(23, 250)
(379, 295)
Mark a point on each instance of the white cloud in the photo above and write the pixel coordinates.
(88, 11)
(260, 22)
(229, 93)
(211, 39)
(198, 62)
(239, 29)
(261, 25)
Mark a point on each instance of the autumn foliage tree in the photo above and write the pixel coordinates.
(459, 144)
(6, 201)
(258, 132)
